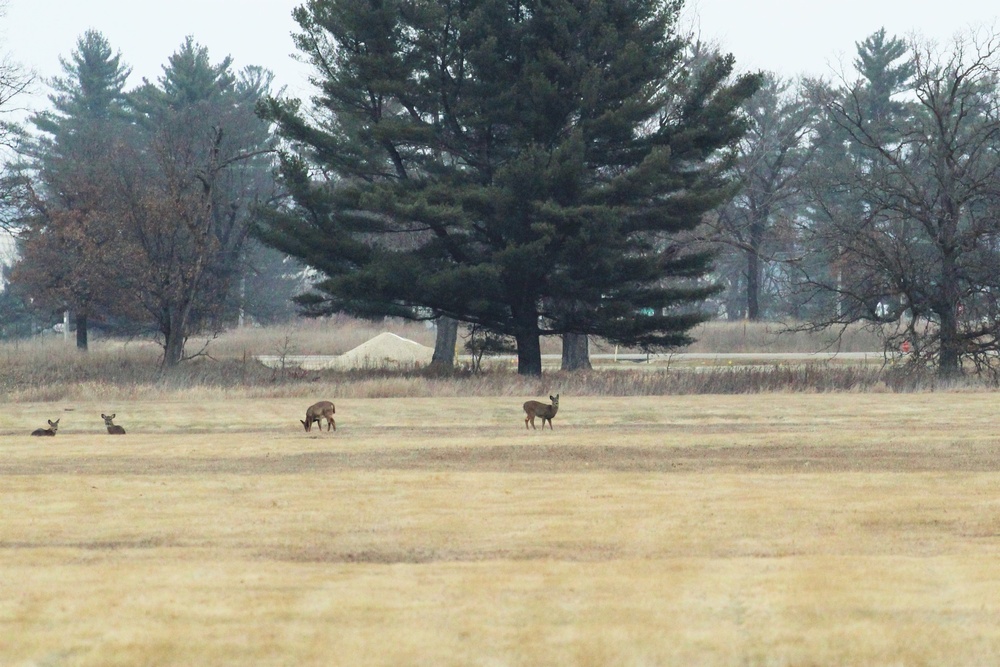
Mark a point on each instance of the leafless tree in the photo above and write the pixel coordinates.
(15, 82)
(187, 225)
(770, 159)
(919, 252)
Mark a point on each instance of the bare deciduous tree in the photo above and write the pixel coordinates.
(770, 160)
(918, 253)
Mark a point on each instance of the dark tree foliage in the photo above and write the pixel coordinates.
(522, 166)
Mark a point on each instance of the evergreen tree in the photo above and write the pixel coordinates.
(522, 166)
(887, 69)
(92, 88)
(67, 239)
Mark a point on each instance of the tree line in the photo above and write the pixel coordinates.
(133, 208)
(529, 169)
(874, 199)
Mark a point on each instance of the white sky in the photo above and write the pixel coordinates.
(37, 33)
(788, 36)
(815, 37)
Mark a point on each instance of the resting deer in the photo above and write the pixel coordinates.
(113, 429)
(51, 430)
(535, 409)
(318, 411)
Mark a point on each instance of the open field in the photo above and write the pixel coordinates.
(771, 529)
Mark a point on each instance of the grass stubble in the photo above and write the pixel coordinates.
(774, 529)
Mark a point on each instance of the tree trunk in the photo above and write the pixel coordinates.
(529, 353)
(753, 286)
(444, 343)
(950, 292)
(575, 352)
(527, 337)
(173, 340)
(173, 350)
(949, 357)
(81, 332)
(949, 352)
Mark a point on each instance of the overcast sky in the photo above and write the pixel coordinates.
(787, 36)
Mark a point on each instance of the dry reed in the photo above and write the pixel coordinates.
(49, 369)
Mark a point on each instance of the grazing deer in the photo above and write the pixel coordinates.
(51, 430)
(113, 429)
(535, 409)
(318, 411)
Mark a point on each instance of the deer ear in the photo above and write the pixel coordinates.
(114, 415)
(103, 416)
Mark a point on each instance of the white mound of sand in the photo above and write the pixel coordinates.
(386, 350)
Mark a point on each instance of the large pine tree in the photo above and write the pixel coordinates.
(67, 240)
(524, 166)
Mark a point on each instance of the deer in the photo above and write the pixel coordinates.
(534, 409)
(318, 411)
(113, 429)
(51, 430)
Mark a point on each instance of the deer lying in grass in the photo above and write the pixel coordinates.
(113, 429)
(535, 409)
(51, 430)
(317, 411)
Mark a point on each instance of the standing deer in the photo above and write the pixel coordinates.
(317, 411)
(113, 429)
(535, 409)
(51, 430)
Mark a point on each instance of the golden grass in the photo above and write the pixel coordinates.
(718, 530)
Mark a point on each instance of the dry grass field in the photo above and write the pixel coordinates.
(753, 530)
